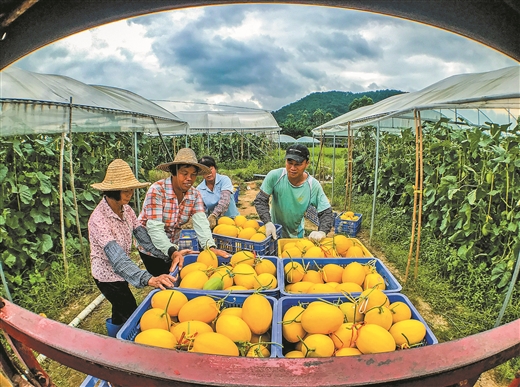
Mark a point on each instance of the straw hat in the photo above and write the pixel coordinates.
(185, 156)
(119, 177)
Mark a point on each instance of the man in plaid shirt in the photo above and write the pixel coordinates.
(170, 203)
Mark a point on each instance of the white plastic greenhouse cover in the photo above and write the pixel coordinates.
(229, 121)
(466, 99)
(308, 140)
(40, 103)
(284, 138)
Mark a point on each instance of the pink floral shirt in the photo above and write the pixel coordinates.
(105, 226)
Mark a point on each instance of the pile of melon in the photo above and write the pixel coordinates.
(331, 247)
(349, 215)
(240, 227)
(245, 271)
(353, 277)
(202, 325)
(364, 325)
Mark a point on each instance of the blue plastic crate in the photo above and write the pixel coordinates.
(392, 285)
(91, 381)
(284, 303)
(347, 227)
(188, 240)
(131, 328)
(312, 215)
(267, 247)
(190, 258)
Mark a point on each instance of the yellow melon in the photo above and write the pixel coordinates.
(292, 329)
(345, 336)
(194, 280)
(170, 300)
(347, 352)
(373, 338)
(244, 275)
(184, 332)
(247, 233)
(155, 318)
(157, 338)
(240, 220)
(321, 317)
(251, 223)
(294, 271)
(318, 345)
(354, 272)
(257, 312)
(258, 237)
(208, 257)
(265, 266)
(243, 256)
(214, 343)
(408, 332)
(233, 327)
(201, 308)
(226, 220)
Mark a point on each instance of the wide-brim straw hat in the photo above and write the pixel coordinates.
(119, 177)
(185, 156)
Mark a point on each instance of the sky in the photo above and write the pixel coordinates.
(261, 56)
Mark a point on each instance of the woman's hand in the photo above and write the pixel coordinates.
(164, 281)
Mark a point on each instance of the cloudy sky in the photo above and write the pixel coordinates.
(261, 56)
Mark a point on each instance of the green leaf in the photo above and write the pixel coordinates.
(45, 244)
(3, 173)
(25, 193)
(472, 197)
(45, 183)
(39, 216)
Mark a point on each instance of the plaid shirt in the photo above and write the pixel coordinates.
(161, 204)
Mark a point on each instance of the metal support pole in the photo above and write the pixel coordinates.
(333, 165)
(136, 172)
(376, 176)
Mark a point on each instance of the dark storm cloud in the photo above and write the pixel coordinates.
(218, 65)
(337, 46)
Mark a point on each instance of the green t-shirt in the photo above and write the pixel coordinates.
(289, 203)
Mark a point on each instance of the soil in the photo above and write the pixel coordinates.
(66, 377)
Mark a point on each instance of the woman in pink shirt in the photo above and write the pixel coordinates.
(111, 227)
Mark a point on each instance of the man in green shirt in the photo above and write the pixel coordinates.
(292, 190)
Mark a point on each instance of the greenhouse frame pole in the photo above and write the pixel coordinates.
(375, 184)
(333, 164)
(136, 171)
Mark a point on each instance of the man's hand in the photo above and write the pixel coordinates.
(317, 236)
(220, 253)
(178, 259)
(164, 281)
(212, 221)
(270, 229)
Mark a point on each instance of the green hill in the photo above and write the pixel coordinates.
(334, 102)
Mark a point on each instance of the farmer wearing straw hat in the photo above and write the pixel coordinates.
(169, 204)
(111, 227)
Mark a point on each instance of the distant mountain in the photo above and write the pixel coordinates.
(333, 102)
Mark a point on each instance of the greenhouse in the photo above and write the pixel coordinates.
(465, 100)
